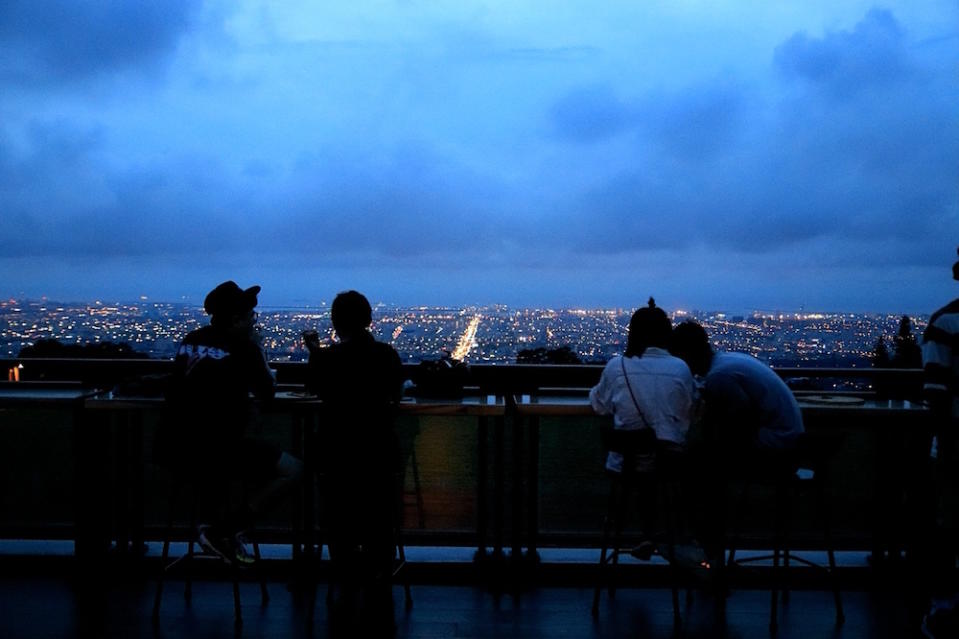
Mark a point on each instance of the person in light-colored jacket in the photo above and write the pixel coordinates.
(646, 387)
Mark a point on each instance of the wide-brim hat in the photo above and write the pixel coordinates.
(229, 299)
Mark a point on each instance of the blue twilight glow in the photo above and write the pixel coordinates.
(715, 154)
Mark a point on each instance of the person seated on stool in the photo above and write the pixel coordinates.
(646, 387)
(360, 381)
(751, 420)
(209, 410)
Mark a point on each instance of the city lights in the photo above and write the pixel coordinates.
(492, 334)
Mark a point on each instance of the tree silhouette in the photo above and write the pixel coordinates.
(907, 352)
(53, 348)
(561, 355)
(880, 354)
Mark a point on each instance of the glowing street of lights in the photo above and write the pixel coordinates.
(494, 334)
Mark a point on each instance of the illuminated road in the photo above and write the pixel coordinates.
(466, 342)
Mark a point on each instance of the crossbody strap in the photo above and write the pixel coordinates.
(629, 386)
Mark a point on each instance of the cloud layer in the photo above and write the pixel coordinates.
(169, 133)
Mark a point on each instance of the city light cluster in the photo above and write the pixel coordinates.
(494, 334)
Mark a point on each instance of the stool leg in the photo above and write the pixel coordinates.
(159, 592)
(825, 513)
(774, 596)
(786, 525)
(264, 593)
(237, 613)
(785, 586)
(669, 506)
(417, 489)
(401, 551)
(777, 577)
(188, 586)
(165, 555)
(740, 509)
(625, 494)
(600, 568)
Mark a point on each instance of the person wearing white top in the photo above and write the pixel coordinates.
(647, 387)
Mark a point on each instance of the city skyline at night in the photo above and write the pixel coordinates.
(475, 334)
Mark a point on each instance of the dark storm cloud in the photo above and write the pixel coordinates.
(696, 123)
(851, 138)
(46, 41)
(63, 197)
(844, 63)
(862, 145)
(689, 123)
(406, 203)
(593, 113)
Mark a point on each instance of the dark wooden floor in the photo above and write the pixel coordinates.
(49, 606)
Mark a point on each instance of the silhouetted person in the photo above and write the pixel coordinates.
(750, 421)
(647, 389)
(360, 380)
(209, 410)
(748, 407)
(940, 357)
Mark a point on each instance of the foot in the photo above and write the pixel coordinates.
(689, 557)
(215, 544)
(644, 551)
(241, 555)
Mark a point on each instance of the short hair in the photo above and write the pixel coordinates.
(350, 313)
(690, 343)
(649, 326)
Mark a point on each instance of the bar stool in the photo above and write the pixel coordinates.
(662, 484)
(399, 568)
(187, 484)
(789, 474)
(417, 493)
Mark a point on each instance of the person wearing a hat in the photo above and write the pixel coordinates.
(940, 359)
(216, 370)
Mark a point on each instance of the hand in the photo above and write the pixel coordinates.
(311, 339)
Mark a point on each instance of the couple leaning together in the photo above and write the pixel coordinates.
(712, 411)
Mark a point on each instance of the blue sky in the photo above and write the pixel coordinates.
(735, 155)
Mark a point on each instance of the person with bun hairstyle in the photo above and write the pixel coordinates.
(646, 387)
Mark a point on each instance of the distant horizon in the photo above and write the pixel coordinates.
(324, 305)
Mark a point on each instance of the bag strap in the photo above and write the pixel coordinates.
(629, 386)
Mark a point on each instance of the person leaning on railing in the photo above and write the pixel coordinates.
(750, 424)
(647, 390)
(646, 387)
(360, 381)
(208, 411)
